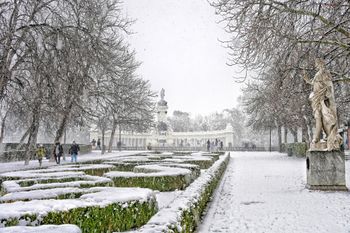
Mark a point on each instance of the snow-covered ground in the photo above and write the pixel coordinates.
(265, 192)
(94, 155)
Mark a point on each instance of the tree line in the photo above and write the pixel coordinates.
(66, 63)
(278, 41)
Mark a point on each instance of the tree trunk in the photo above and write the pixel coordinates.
(114, 127)
(61, 128)
(103, 141)
(2, 130)
(295, 134)
(120, 138)
(285, 134)
(304, 130)
(279, 131)
(311, 133)
(33, 134)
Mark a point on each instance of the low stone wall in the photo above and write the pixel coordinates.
(297, 149)
(10, 154)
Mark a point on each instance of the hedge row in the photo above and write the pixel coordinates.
(157, 177)
(91, 216)
(85, 181)
(297, 149)
(184, 214)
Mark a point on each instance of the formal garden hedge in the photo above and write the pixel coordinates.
(79, 194)
(297, 149)
(101, 211)
(184, 214)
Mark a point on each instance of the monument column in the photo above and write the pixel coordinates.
(162, 124)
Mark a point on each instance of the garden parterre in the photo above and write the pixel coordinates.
(111, 195)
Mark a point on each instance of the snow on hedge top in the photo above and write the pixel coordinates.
(186, 158)
(14, 185)
(39, 194)
(167, 153)
(40, 174)
(150, 171)
(203, 153)
(78, 167)
(66, 228)
(171, 215)
(102, 196)
(56, 171)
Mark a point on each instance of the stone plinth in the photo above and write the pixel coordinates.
(325, 170)
(318, 146)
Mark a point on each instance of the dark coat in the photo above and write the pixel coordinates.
(74, 149)
(60, 150)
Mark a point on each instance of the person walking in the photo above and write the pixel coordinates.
(58, 152)
(73, 151)
(221, 145)
(98, 144)
(40, 153)
(212, 146)
(208, 145)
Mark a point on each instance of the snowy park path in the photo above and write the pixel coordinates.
(93, 155)
(265, 192)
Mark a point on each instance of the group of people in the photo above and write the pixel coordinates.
(96, 145)
(58, 152)
(215, 145)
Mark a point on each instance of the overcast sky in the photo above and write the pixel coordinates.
(177, 43)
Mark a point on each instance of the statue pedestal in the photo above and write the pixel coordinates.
(325, 171)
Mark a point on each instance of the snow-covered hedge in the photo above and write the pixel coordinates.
(79, 194)
(83, 181)
(184, 213)
(90, 169)
(56, 176)
(65, 228)
(103, 210)
(203, 161)
(158, 177)
(298, 148)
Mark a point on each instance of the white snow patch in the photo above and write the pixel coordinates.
(103, 197)
(154, 171)
(14, 186)
(65, 228)
(265, 192)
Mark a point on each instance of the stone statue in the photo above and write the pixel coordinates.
(324, 108)
(162, 94)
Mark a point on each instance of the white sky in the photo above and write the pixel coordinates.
(177, 43)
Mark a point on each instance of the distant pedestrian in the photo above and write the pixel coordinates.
(93, 142)
(221, 145)
(216, 142)
(212, 146)
(98, 144)
(40, 153)
(208, 145)
(58, 152)
(73, 151)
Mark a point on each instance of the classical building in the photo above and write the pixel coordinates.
(163, 136)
